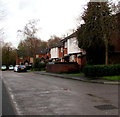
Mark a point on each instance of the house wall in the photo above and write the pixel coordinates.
(60, 51)
(22, 60)
(114, 57)
(19, 60)
(49, 55)
(54, 52)
(65, 51)
(31, 60)
(72, 45)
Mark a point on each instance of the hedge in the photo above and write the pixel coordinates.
(101, 70)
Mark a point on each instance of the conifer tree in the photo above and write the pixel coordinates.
(94, 34)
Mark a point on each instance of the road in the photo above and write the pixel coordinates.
(35, 94)
(0, 93)
(6, 107)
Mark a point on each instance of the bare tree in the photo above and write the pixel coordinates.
(118, 7)
(30, 29)
(31, 44)
(53, 41)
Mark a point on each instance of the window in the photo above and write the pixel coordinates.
(61, 49)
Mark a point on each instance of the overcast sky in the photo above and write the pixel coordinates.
(57, 17)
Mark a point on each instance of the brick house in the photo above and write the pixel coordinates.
(71, 49)
(115, 42)
(24, 60)
(42, 53)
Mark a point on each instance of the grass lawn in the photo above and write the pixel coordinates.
(111, 77)
(76, 74)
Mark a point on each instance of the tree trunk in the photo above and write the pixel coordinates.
(106, 50)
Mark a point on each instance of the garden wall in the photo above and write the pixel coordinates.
(63, 68)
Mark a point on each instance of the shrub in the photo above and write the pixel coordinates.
(101, 70)
(41, 66)
(38, 65)
(28, 67)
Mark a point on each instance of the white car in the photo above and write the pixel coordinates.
(16, 68)
(11, 67)
(3, 67)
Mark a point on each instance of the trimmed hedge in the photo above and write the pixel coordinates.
(101, 70)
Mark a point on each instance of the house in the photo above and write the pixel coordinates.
(68, 47)
(71, 49)
(41, 53)
(56, 52)
(115, 42)
(24, 60)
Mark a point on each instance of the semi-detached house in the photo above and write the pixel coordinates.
(71, 49)
(68, 47)
(56, 52)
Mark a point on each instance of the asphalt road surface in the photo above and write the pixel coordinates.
(0, 93)
(35, 94)
(7, 107)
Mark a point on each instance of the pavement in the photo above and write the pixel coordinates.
(80, 78)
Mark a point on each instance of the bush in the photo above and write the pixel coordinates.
(40, 67)
(39, 64)
(101, 70)
(28, 67)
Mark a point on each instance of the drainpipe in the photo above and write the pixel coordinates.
(63, 51)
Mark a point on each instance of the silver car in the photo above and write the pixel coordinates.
(11, 67)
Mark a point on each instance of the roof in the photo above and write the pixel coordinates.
(42, 51)
(68, 37)
(58, 45)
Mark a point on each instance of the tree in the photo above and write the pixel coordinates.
(117, 10)
(30, 47)
(8, 54)
(53, 41)
(31, 44)
(2, 15)
(94, 34)
(22, 49)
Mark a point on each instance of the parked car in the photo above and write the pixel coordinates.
(20, 68)
(3, 67)
(11, 67)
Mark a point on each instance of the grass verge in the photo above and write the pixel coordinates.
(76, 74)
(111, 77)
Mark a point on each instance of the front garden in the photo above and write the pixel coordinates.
(109, 72)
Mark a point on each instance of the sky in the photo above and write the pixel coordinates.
(56, 17)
